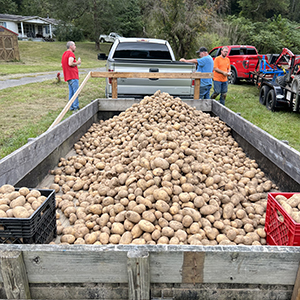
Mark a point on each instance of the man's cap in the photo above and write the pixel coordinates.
(202, 49)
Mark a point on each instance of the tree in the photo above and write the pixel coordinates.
(129, 19)
(178, 21)
(259, 10)
(41, 8)
(8, 7)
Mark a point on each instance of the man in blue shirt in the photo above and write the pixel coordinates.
(205, 64)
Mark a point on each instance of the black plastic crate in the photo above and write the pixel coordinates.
(39, 228)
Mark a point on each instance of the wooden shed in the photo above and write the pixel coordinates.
(9, 47)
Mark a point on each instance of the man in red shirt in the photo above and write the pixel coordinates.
(70, 70)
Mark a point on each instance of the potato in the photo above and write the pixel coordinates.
(117, 228)
(126, 238)
(95, 209)
(7, 188)
(208, 210)
(91, 238)
(167, 232)
(133, 216)
(136, 231)
(20, 212)
(193, 213)
(146, 226)
(104, 238)
(3, 214)
(5, 207)
(187, 221)
(162, 206)
(227, 211)
(67, 238)
(161, 194)
(294, 200)
(24, 191)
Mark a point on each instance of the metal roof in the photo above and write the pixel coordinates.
(18, 18)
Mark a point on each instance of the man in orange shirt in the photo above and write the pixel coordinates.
(221, 72)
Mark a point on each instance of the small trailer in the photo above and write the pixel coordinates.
(279, 82)
(149, 272)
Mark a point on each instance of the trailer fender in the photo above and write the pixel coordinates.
(281, 100)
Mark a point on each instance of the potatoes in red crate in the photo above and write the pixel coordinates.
(283, 219)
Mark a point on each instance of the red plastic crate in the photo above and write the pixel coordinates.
(284, 232)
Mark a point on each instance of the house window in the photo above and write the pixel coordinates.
(19, 28)
(47, 29)
(29, 30)
(3, 24)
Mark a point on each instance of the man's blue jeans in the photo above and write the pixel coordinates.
(204, 91)
(73, 87)
(220, 87)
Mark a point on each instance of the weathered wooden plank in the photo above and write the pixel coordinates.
(76, 267)
(103, 264)
(243, 268)
(296, 290)
(114, 87)
(197, 89)
(192, 269)
(150, 75)
(166, 267)
(138, 275)
(14, 275)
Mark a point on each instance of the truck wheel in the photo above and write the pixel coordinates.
(232, 79)
(263, 94)
(296, 91)
(102, 41)
(271, 100)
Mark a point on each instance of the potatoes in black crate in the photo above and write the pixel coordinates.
(27, 215)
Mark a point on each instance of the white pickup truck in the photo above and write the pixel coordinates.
(147, 55)
(103, 38)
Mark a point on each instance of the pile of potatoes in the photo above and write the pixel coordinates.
(161, 172)
(21, 203)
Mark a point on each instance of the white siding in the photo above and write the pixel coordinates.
(12, 26)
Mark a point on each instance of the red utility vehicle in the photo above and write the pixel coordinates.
(243, 60)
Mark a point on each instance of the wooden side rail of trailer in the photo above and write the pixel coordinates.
(148, 272)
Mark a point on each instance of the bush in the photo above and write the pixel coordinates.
(65, 32)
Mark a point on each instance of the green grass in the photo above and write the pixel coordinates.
(29, 110)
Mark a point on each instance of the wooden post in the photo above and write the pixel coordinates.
(296, 291)
(138, 275)
(114, 87)
(197, 89)
(14, 275)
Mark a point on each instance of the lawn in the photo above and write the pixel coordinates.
(28, 111)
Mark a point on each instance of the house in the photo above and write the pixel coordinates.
(32, 27)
